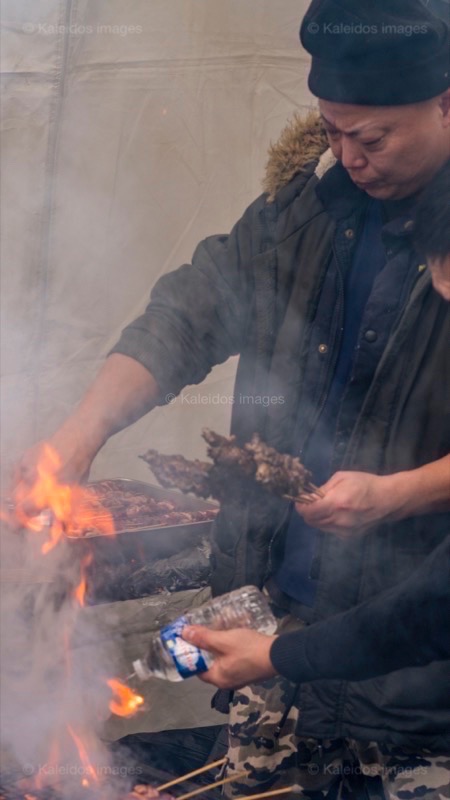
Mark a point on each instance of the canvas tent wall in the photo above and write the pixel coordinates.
(131, 129)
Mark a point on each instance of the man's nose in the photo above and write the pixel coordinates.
(351, 154)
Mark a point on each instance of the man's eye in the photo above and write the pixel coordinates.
(373, 142)
(333, 134)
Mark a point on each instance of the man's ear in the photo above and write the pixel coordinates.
(444, 105)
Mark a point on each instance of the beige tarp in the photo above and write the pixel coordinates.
(130, 129)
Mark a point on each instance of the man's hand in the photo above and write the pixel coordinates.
(353, 502)
(74, 456)
(75, 461)
(240, 656)
(122, 392)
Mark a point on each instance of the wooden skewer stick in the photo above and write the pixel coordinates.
(204, 789)
(192, 774)
(306, 498)
(303, 498)
(270, 793)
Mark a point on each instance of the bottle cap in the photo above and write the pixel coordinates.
(141, 669)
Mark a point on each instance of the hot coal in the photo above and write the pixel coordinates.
(17, 794)
(142, 791)
(188, 569)
(48, 793)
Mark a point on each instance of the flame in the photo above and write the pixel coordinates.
(69, 509)
(41, 779)
(82, 752)
(80, 591)
(126, 702)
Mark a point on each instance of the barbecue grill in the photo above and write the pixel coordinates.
(142, 542)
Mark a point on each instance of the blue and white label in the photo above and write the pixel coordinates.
(188, 659)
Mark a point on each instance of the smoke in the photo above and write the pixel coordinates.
(54, 666)
(93, 179)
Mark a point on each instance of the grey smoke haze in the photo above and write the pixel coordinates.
(115, 163)
(53, 665)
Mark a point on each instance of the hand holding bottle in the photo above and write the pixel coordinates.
(240, 656)
(172, 657)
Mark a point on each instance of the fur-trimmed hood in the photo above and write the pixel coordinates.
(303, 140)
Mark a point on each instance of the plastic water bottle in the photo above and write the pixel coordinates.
(170, 657)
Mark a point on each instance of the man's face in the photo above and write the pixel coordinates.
(390, 152)
(440, 275)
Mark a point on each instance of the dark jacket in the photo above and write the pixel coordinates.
(255, 292)
(406, 626)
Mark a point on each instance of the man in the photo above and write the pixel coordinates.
(432, 230)
(405, 626)
(319, 290)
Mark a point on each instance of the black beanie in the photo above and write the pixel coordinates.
(366, 52)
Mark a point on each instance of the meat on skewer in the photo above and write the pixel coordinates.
(232, 467)
(144, 792)
(177, 471)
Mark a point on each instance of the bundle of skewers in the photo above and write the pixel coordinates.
(232, 469)
(143, 792)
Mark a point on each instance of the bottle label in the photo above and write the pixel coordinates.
(188, 659)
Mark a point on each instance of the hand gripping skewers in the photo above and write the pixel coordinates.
(232, 468)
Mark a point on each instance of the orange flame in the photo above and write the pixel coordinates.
(69, 509)
(82, 752)
(126, 702)
(41, 779)
(80, 591)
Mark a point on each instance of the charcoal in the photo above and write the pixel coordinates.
(188, 569)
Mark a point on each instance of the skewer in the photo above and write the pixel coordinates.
(270, 793)
(214, 785)
(306, 498)
(310, 494)
(192, 774)
(303, 498)
(316, 490)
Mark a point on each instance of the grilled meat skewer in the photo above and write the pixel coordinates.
(232, 468)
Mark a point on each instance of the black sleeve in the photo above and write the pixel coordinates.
(403, 627)
(197, 314)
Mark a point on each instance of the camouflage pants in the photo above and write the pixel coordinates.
(263, 744)
(334, 769)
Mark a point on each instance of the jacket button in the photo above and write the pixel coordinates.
(371, 336)
(409, 225)
(323, 348)
(349, 233)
